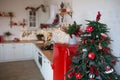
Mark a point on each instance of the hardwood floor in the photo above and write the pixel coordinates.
(20, 70)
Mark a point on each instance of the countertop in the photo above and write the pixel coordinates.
(21, 41)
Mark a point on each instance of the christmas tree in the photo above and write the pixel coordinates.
(95, 60)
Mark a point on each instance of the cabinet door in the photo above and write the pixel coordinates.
(9, 52)
(43, 71)
(18, 51)
(1, 52)
(47, 70)
(28, 51)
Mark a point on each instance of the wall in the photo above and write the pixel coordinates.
(18, 9)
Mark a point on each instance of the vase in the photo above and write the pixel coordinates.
(72, 40)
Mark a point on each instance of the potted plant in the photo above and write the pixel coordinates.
(7, 34)
(40, 36)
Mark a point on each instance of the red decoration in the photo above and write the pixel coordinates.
(106, 50)
(89, 29)
(98, 16)
(99, 41)
(104, 36)
(92, 41)
(56, 20)
(114, 62)
(93, 70)
(91, 55)
(63, 10)
(70, 75)
(78, 75)
(108, 68)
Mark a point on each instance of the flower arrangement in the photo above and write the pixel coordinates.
(73, 29)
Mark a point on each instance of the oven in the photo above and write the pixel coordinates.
(39, 60)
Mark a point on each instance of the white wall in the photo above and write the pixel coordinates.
(18, 9)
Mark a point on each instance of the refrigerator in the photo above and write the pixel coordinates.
(62, 54)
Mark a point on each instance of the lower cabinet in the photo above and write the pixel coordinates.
(47, 69)
(15, 52)
(8, 51)
(2, 56)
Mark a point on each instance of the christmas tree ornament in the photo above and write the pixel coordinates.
(114, 62)
(98, 16)
(92, 40)
(78, 75)
(83, 42)
(106, 50)
(91, 75)
(89, 29)
(109, 70)
(99, 41)
(91, 55)
(70, 75)
(97, 36)
(84, 50)
(99, 46)
(103, 36)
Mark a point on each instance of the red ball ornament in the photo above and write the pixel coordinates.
(70, 75)
(91, 55)
(78, 75)
(89, 29)
(92, 41)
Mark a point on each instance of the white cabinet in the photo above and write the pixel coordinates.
(47, 69)
(1, 52)
(28, 51)
(16, 52)
(8, 52)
